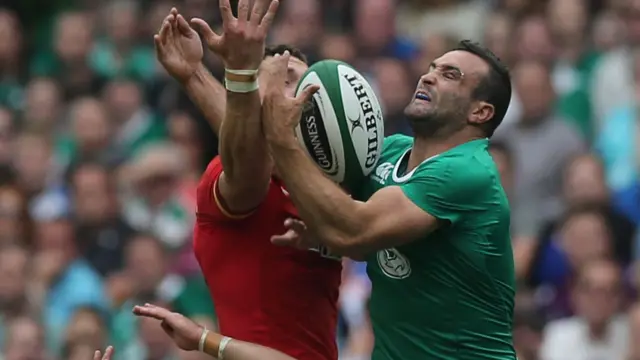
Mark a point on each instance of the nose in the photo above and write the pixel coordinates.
(428, 78)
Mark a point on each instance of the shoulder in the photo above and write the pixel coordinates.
(472, 169)
(394, 141)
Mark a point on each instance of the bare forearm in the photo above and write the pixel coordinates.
(329, 213)
(243, 147)
(240, 350)
(209, 95)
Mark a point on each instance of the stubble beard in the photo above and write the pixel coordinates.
(440, 121)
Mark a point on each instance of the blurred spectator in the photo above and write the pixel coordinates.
(619, 145)
(596, 331)
(154, 204)
(87, 327)
(43, 105)
(11, 48)
(465, 19)
(394, 93)
(117, 52)
(61, 281)
(582, 236)
(613, 77)
(14, 219)
(68, 60)
(24, 340)
(13, 275)
(542, 145)
(100, 230)
(134, 124)
(89, 135)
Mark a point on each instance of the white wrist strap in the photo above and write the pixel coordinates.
(241, 87)
(241, 72)
(203, 338)
(223, 344)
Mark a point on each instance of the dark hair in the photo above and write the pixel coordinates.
(495, 88)
(583, 210)
(280, 49)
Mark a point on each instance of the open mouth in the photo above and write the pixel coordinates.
(421, 95)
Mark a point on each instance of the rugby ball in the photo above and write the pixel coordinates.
(342, 127)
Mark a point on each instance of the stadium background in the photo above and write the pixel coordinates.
(100, 153)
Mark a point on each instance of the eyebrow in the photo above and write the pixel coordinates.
(446, 67)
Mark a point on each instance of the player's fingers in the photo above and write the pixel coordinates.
(164, 30)
(257, 11)
(97, 355)
(243, 10)
(108, 353)
(158, 45)
(267, 20)
(226, 13)
(289, 238)
(183, 26)
(295, 225)
(307, 93)
(281, 63)
(174, 11)
(211, 38)
(148, 312)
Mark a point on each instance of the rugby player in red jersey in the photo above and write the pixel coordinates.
(278, 297)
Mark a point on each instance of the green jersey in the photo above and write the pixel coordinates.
(449, 295)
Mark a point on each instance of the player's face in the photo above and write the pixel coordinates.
(295, 71)
(442, 103)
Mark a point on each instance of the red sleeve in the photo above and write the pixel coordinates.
(210, 202)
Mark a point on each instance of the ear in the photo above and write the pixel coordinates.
(480, 112)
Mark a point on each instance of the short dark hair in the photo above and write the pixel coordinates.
(281, 48)
(495, 88)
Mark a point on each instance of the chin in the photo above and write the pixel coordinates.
(418, 113)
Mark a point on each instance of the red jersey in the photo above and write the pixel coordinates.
(274, 296)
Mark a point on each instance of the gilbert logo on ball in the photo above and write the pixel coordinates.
(342, 128)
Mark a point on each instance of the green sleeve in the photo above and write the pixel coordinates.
(449, 188)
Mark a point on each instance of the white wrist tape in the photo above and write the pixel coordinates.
(223, 344)
(241, 87)
(241, 72)
(203, 339)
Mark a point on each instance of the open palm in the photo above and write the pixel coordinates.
(184, 332)
(178, 47)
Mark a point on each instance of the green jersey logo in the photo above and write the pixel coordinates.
(394, 264)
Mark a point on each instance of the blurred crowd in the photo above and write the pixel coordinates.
(101, 151)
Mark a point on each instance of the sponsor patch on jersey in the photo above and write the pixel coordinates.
(394, 264)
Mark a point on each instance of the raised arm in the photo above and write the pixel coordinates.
(209, 96)
(190, 336)
(179, 51)
(243, 150)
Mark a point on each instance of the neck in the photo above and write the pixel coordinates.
(598, 331)
(424, 148)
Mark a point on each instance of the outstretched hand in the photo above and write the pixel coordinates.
(178, 47)
(241, 45)
(184, 332)
(281, 113)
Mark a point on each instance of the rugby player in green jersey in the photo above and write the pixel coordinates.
(434, 228)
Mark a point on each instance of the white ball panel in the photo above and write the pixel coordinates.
(334, 167)
(363, 116)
